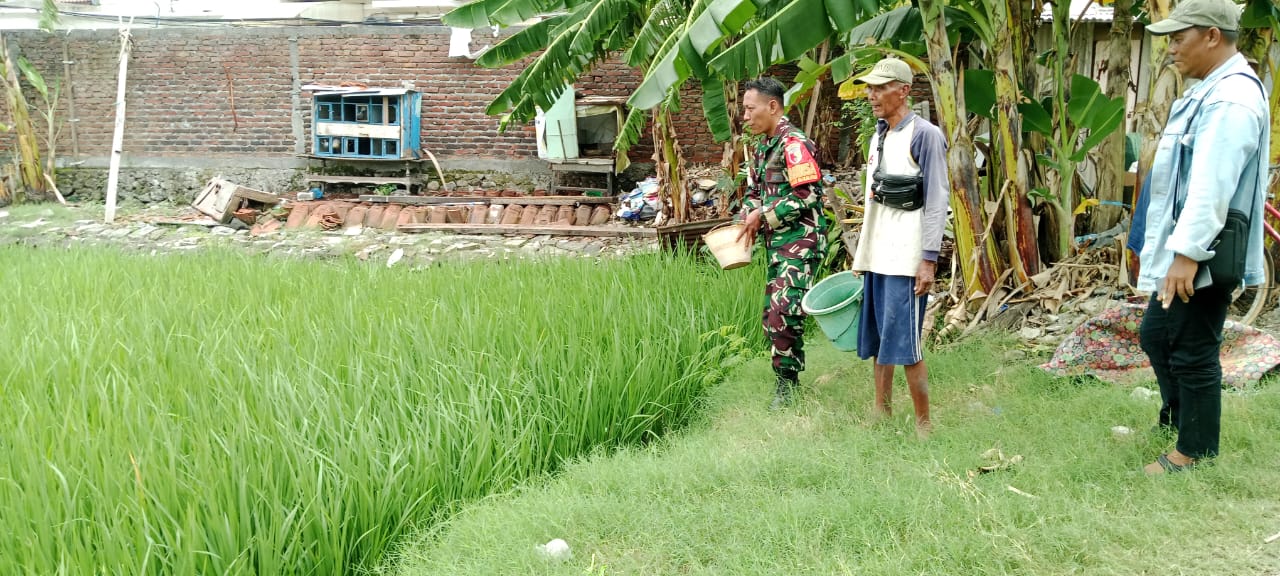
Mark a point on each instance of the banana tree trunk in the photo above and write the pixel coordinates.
(30, 171)
(1023, 249)
(1165, 86)
(975, 250)
(1064, 199)
(1111, 168)
(669, 163)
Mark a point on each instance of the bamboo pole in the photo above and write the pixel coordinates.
(71, 96)
(117, 138)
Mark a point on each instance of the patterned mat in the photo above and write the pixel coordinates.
(1107, 347)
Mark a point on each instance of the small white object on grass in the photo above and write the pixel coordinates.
(555, 550)
(1141, 393)
(395, 257)
(1121, 431)
(1021, 493)
(4, 214)
(1272, 538)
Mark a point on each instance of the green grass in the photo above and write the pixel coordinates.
(816, 491)
(222, 414)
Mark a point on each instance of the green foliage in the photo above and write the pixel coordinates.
(821, 489)
(221, 414)
(793, 30)
(1088, 108)
(1260, 14)
(980, 92)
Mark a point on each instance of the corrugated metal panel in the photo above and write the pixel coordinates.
(1092, 11)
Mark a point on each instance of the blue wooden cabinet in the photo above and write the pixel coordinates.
(375, 124)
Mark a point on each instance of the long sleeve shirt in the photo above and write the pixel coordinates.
(1211, 157)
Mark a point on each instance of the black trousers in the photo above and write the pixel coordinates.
(1184, 344)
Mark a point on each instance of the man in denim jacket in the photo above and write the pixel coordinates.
(1211, 157)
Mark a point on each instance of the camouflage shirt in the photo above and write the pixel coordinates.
(786, 185)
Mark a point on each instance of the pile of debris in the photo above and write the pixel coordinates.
(1045, 307)
(232, 205)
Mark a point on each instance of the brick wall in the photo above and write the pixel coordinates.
(182, 83)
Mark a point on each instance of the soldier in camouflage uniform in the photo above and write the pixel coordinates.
(784, 202)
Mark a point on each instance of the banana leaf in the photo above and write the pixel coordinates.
(788, 34)
(670, 71)
(597, 24)
(520, 45)
(1035, 118)
(632, 129)
(483, 13)
(721, 18)
(658, 26)
(33, 76)
(980, 92)
(1088, 108)
(1260, 14)
(716, 110)
(682, 56)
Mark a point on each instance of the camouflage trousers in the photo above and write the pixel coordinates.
(789, 280)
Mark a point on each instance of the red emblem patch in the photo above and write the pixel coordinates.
(801, 167)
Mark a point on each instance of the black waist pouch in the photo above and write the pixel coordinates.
(896, 191)
(1229, 248)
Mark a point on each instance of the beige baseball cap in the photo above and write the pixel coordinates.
(887, 70)
(1220, 14)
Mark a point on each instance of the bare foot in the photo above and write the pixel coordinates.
(877, 416)
(923, 429)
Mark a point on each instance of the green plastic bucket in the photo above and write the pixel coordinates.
(835, 303)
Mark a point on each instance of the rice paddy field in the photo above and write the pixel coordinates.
(216, 413)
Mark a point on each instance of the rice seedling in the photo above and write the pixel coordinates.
(223, 414)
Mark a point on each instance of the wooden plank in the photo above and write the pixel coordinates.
(358, 179)
(358, 160)
(603, 231)
(357, 130)
(588, 168)
(256, 195)
(687, 235)
(521, 200)
(423, 200)
(554, 200)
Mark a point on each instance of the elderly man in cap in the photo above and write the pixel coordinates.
(906, 210)
(1204, 222)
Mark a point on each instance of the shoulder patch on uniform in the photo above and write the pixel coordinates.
(802, 168)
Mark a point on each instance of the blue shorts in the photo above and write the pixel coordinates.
(891, 320)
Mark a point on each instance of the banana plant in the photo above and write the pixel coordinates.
(1111, 156)
(1164, 86)
(666, 39)
(30, 170)
(49, 96)
(1082, 107)
(991, 22)
(975, 249)
(31, 174)
(1261, 30)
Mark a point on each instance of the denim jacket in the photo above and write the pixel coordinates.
(1211, 157)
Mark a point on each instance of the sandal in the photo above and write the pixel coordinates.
(1166, 466)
